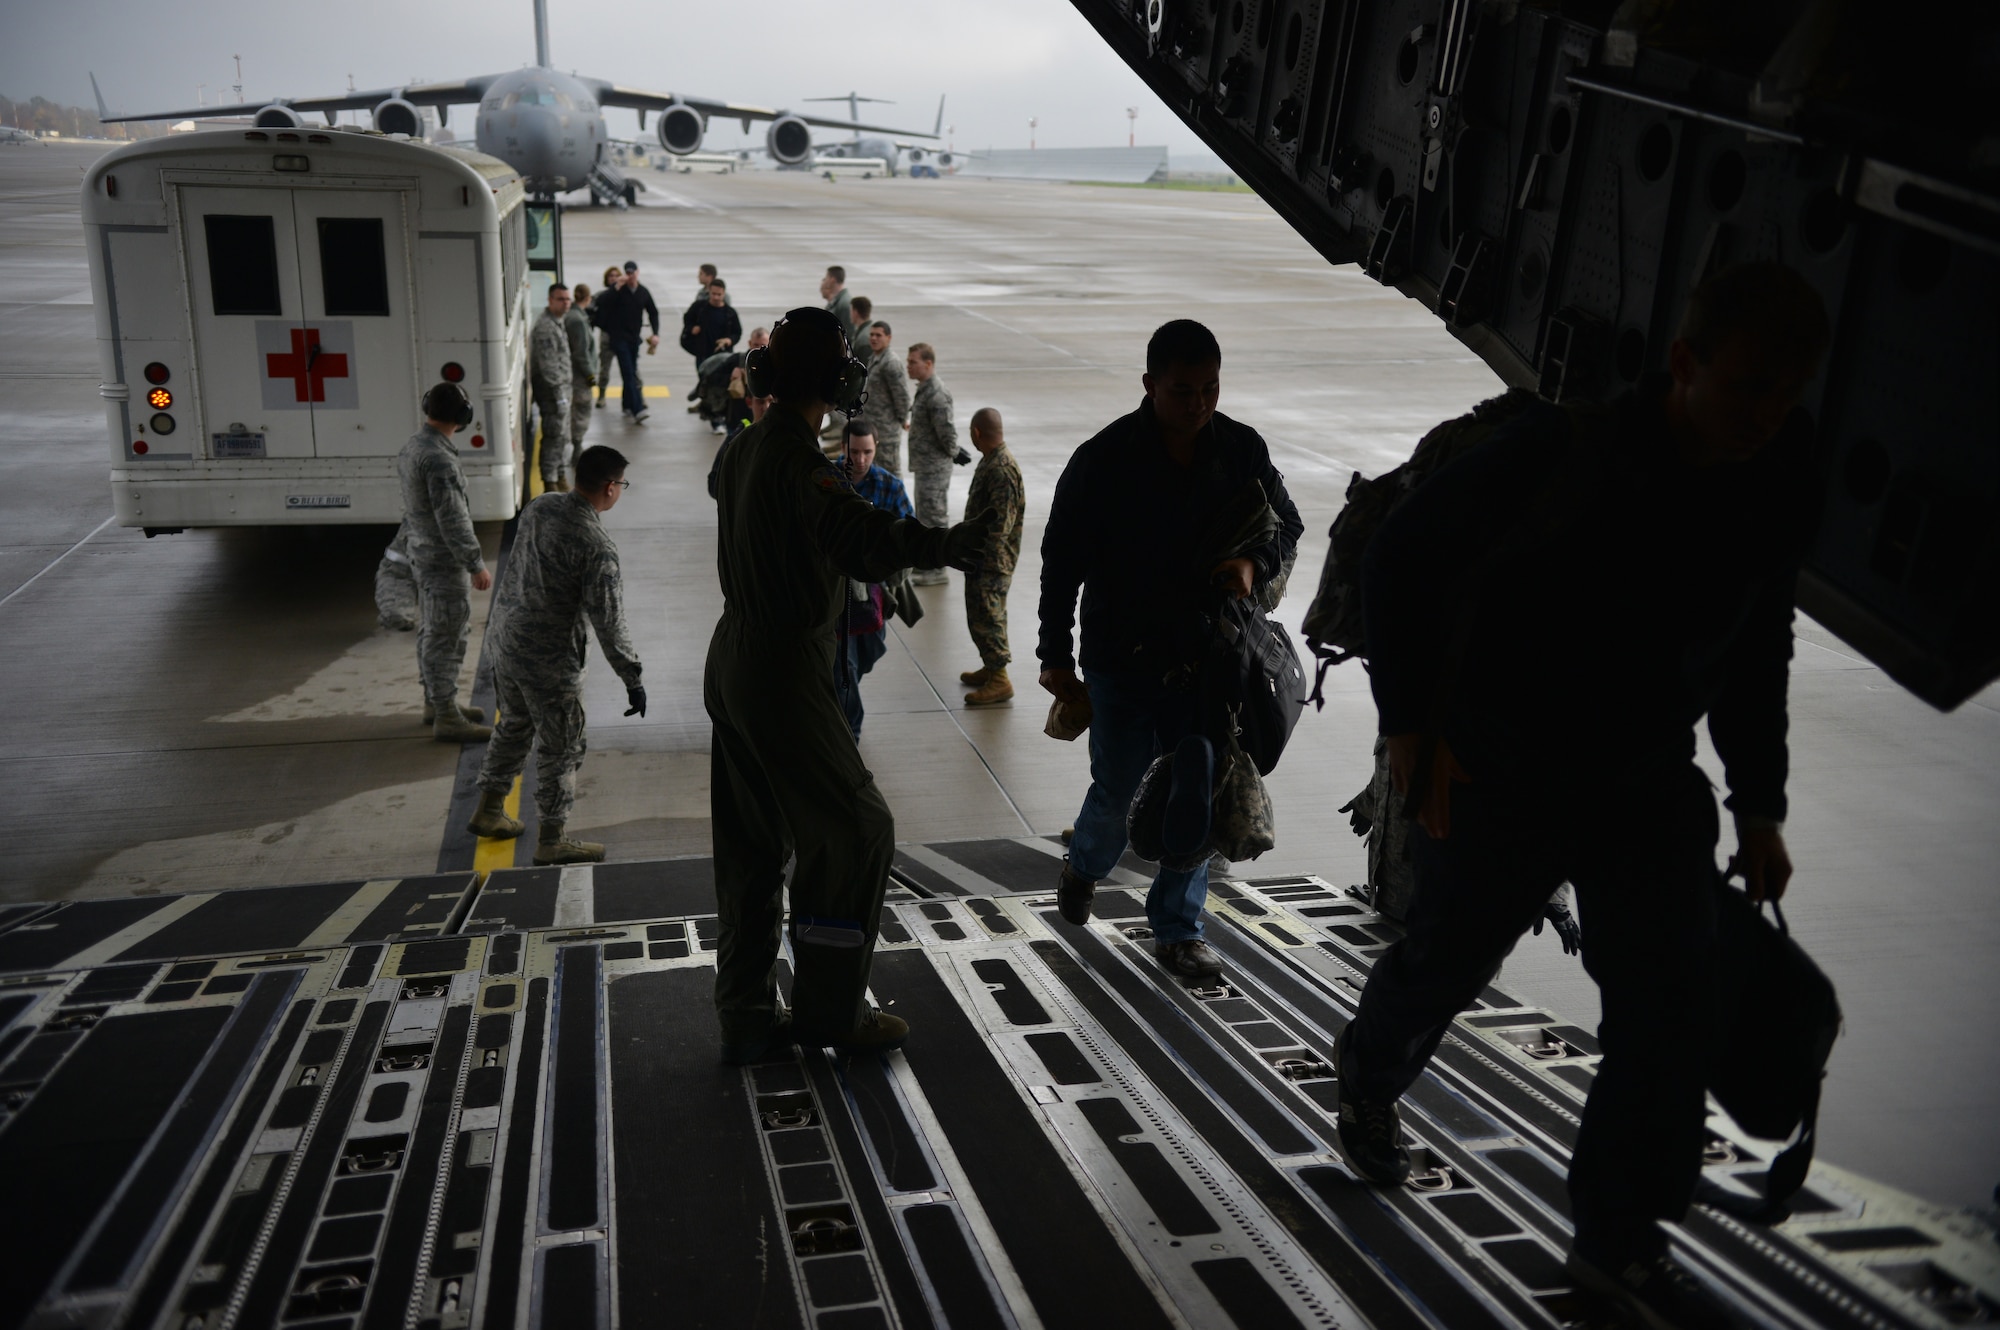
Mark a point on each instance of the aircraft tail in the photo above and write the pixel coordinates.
(103, 111)
(542, 33)
(938, 128)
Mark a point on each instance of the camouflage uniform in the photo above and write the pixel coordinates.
(562, 570)
(839, 308)
(444, 553)
(887, 407)
(396, 586)
(996, 485)
(582, 372)
(549, 380)
(933, 443)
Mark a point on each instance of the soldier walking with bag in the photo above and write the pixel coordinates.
(1555, 609)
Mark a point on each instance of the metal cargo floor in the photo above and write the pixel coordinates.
(443, 1102)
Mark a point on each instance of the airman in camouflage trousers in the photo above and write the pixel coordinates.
(396, 586)
(933, 447)
(887, 405)
(582, 364)
(997, 493)
(549, 380)
(561, 573)
(446, 565)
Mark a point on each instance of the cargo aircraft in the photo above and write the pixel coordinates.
(547, 125)
(888, 150)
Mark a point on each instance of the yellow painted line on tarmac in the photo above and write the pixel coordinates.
(656, 390)
(492, 852)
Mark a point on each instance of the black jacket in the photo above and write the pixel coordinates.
(716, 322)
(623, 311)
(1657, 593)
(1121, 529)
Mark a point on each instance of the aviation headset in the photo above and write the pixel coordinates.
(844, 383)
(448, 402)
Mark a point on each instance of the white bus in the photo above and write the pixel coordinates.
(272, 305)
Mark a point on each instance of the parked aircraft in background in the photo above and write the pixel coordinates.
(547, 125)
(887, 150)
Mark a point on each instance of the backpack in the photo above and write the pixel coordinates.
(1778, 1019)
(1256, 686)
(1333, 626)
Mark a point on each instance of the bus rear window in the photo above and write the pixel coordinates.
(353, 271)
(242, 264)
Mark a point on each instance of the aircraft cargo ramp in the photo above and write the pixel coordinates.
(494, 1101)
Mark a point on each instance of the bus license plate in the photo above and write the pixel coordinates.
(236, 447)
(317, 501)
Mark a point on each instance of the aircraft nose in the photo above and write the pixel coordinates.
(541, 141)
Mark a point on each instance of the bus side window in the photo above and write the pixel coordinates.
(242, 264)
(354, 275)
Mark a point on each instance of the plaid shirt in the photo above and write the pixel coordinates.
(885, 492)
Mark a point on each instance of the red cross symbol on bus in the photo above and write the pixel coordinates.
(307, 366)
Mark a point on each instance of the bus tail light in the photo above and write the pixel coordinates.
(453, 372)
(158, 373)
(479, 440)
(139, 447)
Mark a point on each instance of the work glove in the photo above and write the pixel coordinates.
(1557, 914)
(636, 697)
(961, 457)
(965, 544)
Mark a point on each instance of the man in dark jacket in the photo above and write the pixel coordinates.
(622, 313)
(710, 325)
(1127, 512)
(787, 778)
(1552, 613)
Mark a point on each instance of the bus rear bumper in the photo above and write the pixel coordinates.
(190, 498)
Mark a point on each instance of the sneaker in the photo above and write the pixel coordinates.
(1656, 1293)
(1369, 1135)
(639, 417)
(879, 1032)
(1192, 959)
(1073, 896)
(736, 1052)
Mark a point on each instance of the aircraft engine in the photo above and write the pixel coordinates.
(279, 116)
(681, 129)
(789, 140)
(396, 116)
(917, 154)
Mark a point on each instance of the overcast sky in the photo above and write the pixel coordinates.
(998, 61)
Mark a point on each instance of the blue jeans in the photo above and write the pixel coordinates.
(627, 351)
(860, 652)
(1133, 721)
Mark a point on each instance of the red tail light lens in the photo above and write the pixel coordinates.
(453, 372)
(158, 373)
(139, 447)
(479, 440)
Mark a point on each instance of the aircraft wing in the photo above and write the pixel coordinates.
(638, 99)
(425, 94)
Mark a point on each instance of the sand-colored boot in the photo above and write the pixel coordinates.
(477, 715)
(452, 726)
(993, 692)
(553, 847)
(974, 678)
(491, 820)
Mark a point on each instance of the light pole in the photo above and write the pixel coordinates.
(239, 78)
(1032, 122)
(1131, 126)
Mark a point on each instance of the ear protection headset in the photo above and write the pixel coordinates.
(843, 384)
(448, 402)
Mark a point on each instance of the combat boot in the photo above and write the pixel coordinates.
(477, 715)
(993, 692)
(974, 678)
(454, 728)
(491, 820)
(552, 847)
(562, 484)
(879, 1032)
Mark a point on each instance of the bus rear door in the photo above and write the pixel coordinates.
(354, 271)
(257, 370)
